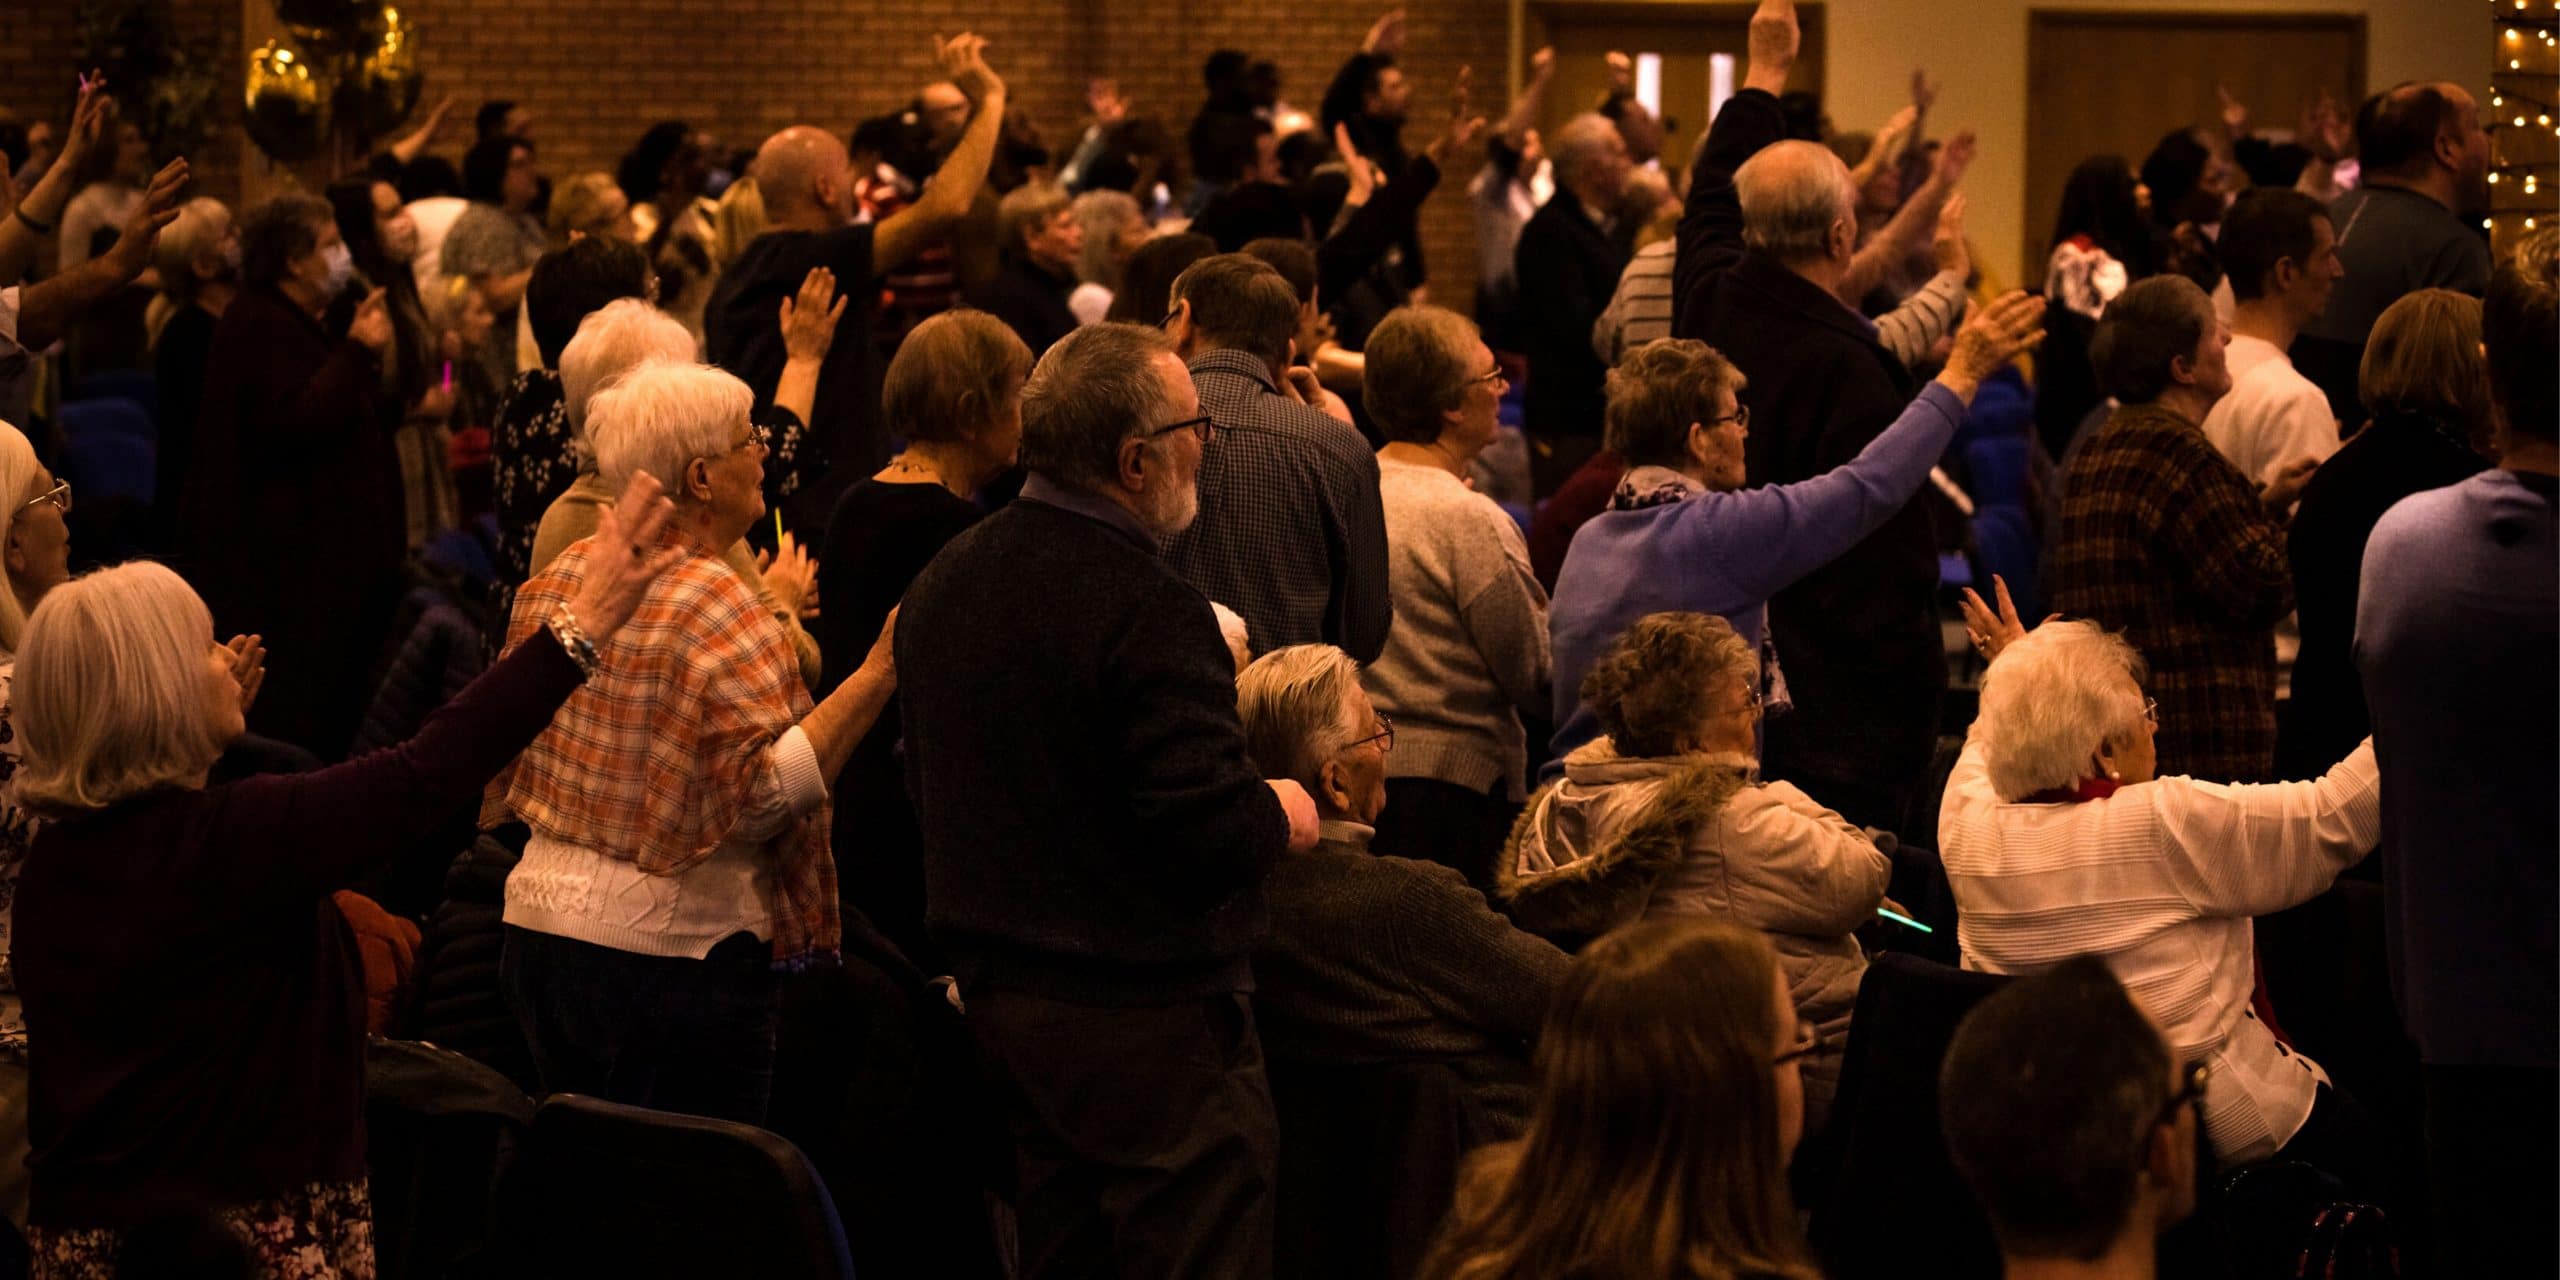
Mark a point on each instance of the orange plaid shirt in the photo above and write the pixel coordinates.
(653, 759)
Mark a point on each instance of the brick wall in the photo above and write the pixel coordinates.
(597, 72)
(39, 44)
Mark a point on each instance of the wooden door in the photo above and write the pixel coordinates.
(2101, 82)
(1584, 31)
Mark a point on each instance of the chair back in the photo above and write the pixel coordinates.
(1887, 1200)
(1369, 1162)
(136, 385)
(606, 1189)
(440, 1129)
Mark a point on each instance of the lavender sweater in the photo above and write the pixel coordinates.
(1727, 553)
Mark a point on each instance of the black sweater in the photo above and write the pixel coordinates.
(195, 993)
(1092, 829)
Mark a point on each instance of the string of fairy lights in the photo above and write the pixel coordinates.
(2524, 96)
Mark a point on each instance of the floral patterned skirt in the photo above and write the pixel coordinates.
(322, 1232)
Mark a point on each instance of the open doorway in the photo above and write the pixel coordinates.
(1683, 37)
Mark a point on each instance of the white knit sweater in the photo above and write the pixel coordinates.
(2162, 879)
(1469, 646)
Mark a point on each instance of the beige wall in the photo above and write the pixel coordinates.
(1978, 48)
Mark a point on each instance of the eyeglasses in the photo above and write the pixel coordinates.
(59, 495)
(1493, 378)
(759, 436)
(1203, 427)
(1806, 1043)
(1386, 733)
(2191, 1082)
(1740, 417)
(2151, 712)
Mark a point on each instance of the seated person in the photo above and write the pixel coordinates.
(2074, 1127)
(1666, 815)
(2058, 840)
(1372, 958)
(1667, 1108)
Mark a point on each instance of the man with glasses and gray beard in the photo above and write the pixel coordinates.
(1095, 838)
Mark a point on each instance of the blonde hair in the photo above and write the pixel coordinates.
(613, 340)
(661, 416)
(1290, 704)
(2050, 700)
(590, 202)
(18, 468)
(2423, 357)
(110, 696)
(736, 221)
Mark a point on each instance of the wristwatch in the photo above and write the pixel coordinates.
(564, 627)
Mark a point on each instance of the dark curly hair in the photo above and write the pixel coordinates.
(1650, 690)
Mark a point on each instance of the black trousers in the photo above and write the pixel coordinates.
(1433, 821)
(1144, 1137)
(2489, 1160)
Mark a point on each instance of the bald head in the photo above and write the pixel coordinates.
(1797, 203)
(805, 175)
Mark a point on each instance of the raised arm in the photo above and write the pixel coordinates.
(954, 187)
(1913, 223)
(1812, 522)
(1909, 331)
(2247, 850)
(38, 217)
(1532, 102)
(1710, 233)
(371, 808)
(46, 307)
(808, 331)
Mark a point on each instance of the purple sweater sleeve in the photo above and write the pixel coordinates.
(1783, 532)
(302, 835)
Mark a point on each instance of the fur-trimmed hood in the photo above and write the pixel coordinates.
(1587, 851)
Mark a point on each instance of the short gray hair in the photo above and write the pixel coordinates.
(1792, 194)
(661, 416)
(1583, 140)
(1091, 390)
(110, 697)
(1290, 702)
(2051, 699)
(613, 340)
(1104, 215)
(1416, 371)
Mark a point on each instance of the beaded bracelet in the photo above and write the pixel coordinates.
(564, 626)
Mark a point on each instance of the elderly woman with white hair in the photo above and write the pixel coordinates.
(2059, 840)
(199, 1000)
(623, 335)
(1468, 650)
(1375, 959)
(1667, 815)
(678, 803)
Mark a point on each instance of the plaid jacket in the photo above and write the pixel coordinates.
(2164, 540)
(651, 761)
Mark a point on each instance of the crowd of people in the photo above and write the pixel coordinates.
(1088, 633)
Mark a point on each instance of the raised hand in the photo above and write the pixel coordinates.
(1947, 244)
(372, 326)
(1924, 93)
(159, 208)
(1622, 71)
(88, 123)
(1462, 129)
(1542, 64)
(1386, 35)
(1991, 337)
(1993, 630)
(1773, 42)
(248, 667)
(964, 64)
(809, 322)
(2235, 113)
(625, 557)
(1954, 158)
(791, 575)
